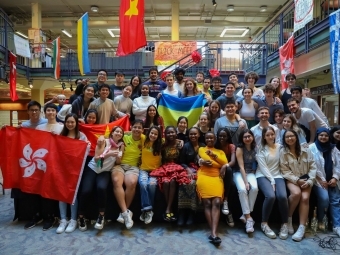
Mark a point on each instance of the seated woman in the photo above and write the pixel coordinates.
(190, 88)
(335, 136)
(298, 168)
(182, 129)
(141, 104)
(153, 119)
(224, 143)
(245, 179)
(170, 173)
(187, 198)
(271, 182)
(97, 174)
(248, 107)
(327, 185)
(213, 163)
(288, 123)
(127, 172)
(151, 160)
(82, 102)
(123, 102)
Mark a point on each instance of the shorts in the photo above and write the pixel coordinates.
(126, 169)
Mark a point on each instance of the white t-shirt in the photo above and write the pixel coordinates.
(307, 116)
(313, 105)
(258, 93)
(174, 92)
(56, 128)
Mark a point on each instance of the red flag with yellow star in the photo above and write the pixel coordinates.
(131, 22)
(92, 132)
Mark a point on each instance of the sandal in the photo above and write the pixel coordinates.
(167, 217)
(172, 217)
(215, 240)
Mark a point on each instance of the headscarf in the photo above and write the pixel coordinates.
(326, 149)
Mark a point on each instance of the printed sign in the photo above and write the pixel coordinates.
(22, 46)
(303, 13)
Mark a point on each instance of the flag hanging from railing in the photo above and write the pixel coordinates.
(334, 42)
(56, 58)
(13, 76)
(286, 52)
(171, 108)
(303, 13)
(131, 22)
(83, 47)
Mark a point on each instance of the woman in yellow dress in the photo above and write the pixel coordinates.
(213, 164)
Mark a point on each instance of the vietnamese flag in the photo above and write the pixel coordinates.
(92, 132)
(50, 166)
(131, 22)
(13, 76)
(286, 52)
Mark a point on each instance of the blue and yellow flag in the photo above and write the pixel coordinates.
(83, 47)
(171, 108)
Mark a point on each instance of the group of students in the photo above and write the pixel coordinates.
(201, 159)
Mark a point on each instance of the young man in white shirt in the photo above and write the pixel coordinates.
(170, 89)
(263, 115)
(306, 102)
(306, 117)
(52, 125)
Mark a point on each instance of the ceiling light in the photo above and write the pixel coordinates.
(94, 8)
(230, 8)
(23, 35)
(214, 2)
(223, 32)
(108, 44)
(66, 33)
(263, 8)
(245, 31)
(110, 30)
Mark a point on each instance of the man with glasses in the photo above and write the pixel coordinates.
(34, 111)
(286, 93)
(102, 77)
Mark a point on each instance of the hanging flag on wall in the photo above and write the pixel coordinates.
(50, 166)
(334, 43)
(56, 58)
(82, 44)
(303, 13)
(13, 76)
(286, 52)
(171, 108)
(131, 22)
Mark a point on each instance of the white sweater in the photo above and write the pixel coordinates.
(141, 104)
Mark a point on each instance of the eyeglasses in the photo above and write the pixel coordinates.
(34, 110)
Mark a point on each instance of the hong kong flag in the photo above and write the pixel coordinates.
(50, 166)
(286, 52)
(13, 76)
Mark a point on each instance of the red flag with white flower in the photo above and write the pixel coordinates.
(286, 52)
(50, 166)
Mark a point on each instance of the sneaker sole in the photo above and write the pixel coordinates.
(70, 231)
(82, 229)
(38, 222)
(297, 240)
(283, 237)
(98, 227)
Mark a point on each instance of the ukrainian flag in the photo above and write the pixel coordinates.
(171, 108)
(83, 47)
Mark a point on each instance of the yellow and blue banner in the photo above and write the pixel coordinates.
(171, 108)
(83, 47)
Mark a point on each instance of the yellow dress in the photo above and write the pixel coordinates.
(209, 183)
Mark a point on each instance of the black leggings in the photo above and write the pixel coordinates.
(90, 179)
(228, 182)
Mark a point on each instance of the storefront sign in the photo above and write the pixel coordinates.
(321, 90)
(167, 53)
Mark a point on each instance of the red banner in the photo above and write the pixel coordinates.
(286, 52)
(131, 22)
(92, 132)
(50, 166)
(13, 76)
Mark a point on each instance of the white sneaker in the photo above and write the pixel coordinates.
(120, 218)
(225, 208)
(148, 217)
(243, 219)
(299, 234)
(142, 216)
(72, 225)
(336, 230)
(100, 222)
(267, 231)
(128, 219)
(283, 232)
(290, 226)
(62, 226)
(82, 224)
(250, 225)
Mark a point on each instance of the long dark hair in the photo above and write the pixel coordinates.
(218, 144)
(138, 87)
(241, 144)
(148, 120)
(91, 111)
(65, 130)
(333, 130)
(157, 145)
(297, 143)
(264, 131)
(183, 118)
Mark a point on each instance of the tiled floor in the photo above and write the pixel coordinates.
(141, 239)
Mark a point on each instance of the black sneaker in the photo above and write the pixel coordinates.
(49, 223)
(82, 224)
(100, 222)
(37, 219)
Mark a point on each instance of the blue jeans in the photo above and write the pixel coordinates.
(63, 210)
(322, 199)
(147, 187)
(334, 201)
